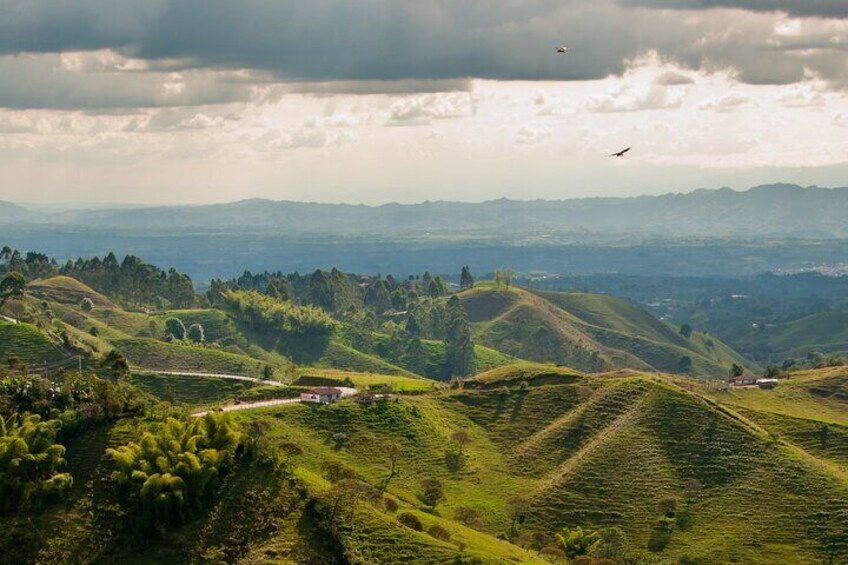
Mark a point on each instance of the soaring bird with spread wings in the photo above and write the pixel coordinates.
(620, 153)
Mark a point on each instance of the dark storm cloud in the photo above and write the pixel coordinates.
(436, 42)
(814, 8)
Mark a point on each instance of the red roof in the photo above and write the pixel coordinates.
(324, 390)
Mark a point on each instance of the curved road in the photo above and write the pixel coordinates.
(213, 375)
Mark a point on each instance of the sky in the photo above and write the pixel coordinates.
(373, 101)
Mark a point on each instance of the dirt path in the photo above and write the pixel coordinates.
(213, 375)
(249, 405)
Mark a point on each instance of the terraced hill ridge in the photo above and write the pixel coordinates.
(590, 332)
(574, 449)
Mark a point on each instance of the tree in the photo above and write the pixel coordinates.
(686, 331)
(736, 370)
(175, 327)
(29, 460)
(86, 305)
(460, 359)
(115, 365)
(196, 333)
(503, 278)
(173, 470)
(393, 453)
(461, 439)
(432, 492)
(685, 364)
(772, 372)
(13, 285)
(465, 279)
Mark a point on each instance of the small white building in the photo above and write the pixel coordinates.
(321, 395)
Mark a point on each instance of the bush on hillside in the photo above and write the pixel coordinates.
(196, 333)
(410, 521)
(172, 471)
(86, 305)
(438, 532)
(29, 461)
(176, 328)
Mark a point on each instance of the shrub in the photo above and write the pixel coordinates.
(390, 504)
(175, 327)
(86, 305)
(467, 516)
(438, 532)
(410, 521)
(196, 333)
(171, 472)
(29, 459)
(432, 492)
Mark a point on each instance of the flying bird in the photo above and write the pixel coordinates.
(562, 49)
(620, 153)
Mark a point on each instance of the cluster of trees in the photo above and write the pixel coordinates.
(171, 473)
(131, 281)
(336, 292)
(30, 459)
(79, 401)
(32, 265)
(274, 317)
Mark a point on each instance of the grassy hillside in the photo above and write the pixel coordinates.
(145, 353)
(561, 442)
(314, 377)
(29, 344)
(582, 450)
(589, 332)
(190, 391)
(826, 332)
(68, 291)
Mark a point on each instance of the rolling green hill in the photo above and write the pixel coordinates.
(825, 332)
(29, 344)
(589, 332)
(594, 451)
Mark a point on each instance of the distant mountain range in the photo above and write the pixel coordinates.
(772, 210)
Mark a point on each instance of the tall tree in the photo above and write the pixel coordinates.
(465, 279)
(13, 285)
(459, 348)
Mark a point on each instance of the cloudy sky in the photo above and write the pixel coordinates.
(166, 101)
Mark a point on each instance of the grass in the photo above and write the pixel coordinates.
(587, 450)
(217, 325)
(68, 291)
(563, 441)
(190, 391)
(341, 356)
(590, 332)
(29, 344)
(364, 380)
(145, 353)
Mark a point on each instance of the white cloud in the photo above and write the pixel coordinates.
(423, 109)
(727, 103)
(532, 135)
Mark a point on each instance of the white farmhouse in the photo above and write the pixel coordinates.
(321, 395)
